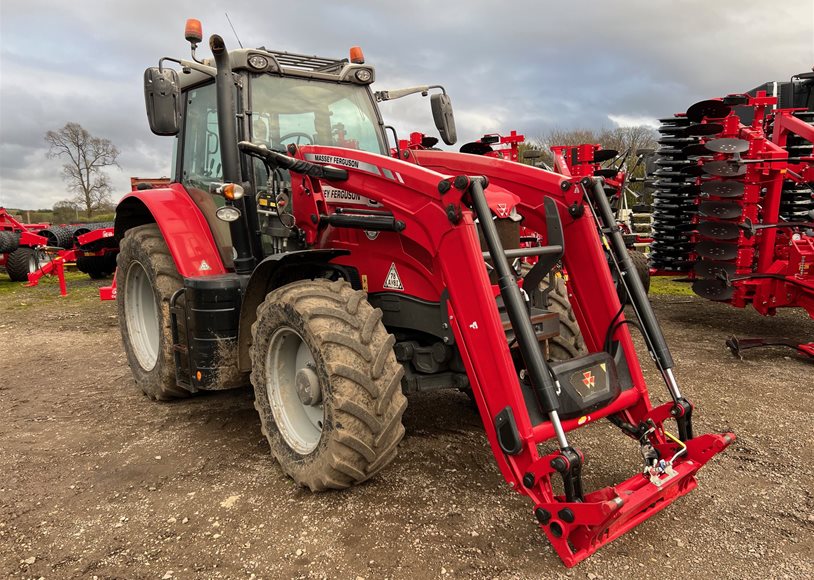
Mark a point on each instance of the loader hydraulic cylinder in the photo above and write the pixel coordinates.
(638, 296)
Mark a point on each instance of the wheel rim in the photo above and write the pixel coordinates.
(289, 364)
(37, 260)
(141, 314)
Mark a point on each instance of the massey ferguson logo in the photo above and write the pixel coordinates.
(588, 379)
(502, 210)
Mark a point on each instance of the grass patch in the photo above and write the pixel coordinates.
(14, 295)
(664, 286)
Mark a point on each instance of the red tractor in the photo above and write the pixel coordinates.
(292, 251)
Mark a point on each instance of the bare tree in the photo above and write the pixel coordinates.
(65, 211)
(621, 139)
(86, 158)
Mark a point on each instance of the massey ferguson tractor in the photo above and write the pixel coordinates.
(291, 251)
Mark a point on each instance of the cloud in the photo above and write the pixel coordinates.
(528, 67)
(633, 121)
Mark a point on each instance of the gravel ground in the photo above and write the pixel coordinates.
(96, 481)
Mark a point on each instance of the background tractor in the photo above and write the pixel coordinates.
(290, 250)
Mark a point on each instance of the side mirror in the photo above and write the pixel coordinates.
(162, 95)
(444, 119)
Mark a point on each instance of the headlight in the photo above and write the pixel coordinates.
(228, 213)
(258, 62)
(363, 75)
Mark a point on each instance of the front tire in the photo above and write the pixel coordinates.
(327, 384)
(147, 279)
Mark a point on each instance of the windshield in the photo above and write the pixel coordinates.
(305, 112)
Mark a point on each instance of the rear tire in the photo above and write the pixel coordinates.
(327, 384)
(147, 280)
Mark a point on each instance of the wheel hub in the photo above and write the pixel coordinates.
(308, 386)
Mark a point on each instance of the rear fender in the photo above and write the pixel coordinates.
(274, 271)
(182, 224)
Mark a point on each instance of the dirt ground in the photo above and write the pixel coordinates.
(97, 481)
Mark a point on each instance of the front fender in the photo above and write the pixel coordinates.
(182, 224)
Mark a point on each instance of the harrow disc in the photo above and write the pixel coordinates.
(476, 148)
(670, 151)
(714, 269)
(719, 230)
(727, 145)
(693, 170)
(605, 155)
(717, 250)
(723, 188)
(704, 130)
(713, 289)
(674, 121)
(696, 150)
(725, 168)
(679, 141)
(725, 210)
(711, 109)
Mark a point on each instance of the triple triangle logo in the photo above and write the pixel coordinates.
(393, 281)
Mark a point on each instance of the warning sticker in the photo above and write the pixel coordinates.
(393, 281)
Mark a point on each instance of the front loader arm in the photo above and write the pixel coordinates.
(438, 218)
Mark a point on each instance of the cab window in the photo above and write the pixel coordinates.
(201, 154)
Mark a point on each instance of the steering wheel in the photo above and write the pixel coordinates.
(298, 135)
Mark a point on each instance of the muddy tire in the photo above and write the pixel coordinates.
(146, 281)
(327, 384)
(21, 262)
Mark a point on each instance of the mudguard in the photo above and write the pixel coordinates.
(182, 224)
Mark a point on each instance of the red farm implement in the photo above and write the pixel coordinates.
(734, 209)
(293, 252)
(18, 246)
(31, 251)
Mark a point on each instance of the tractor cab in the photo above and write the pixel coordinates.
(277, 99)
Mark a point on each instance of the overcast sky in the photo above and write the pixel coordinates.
(524, 65)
